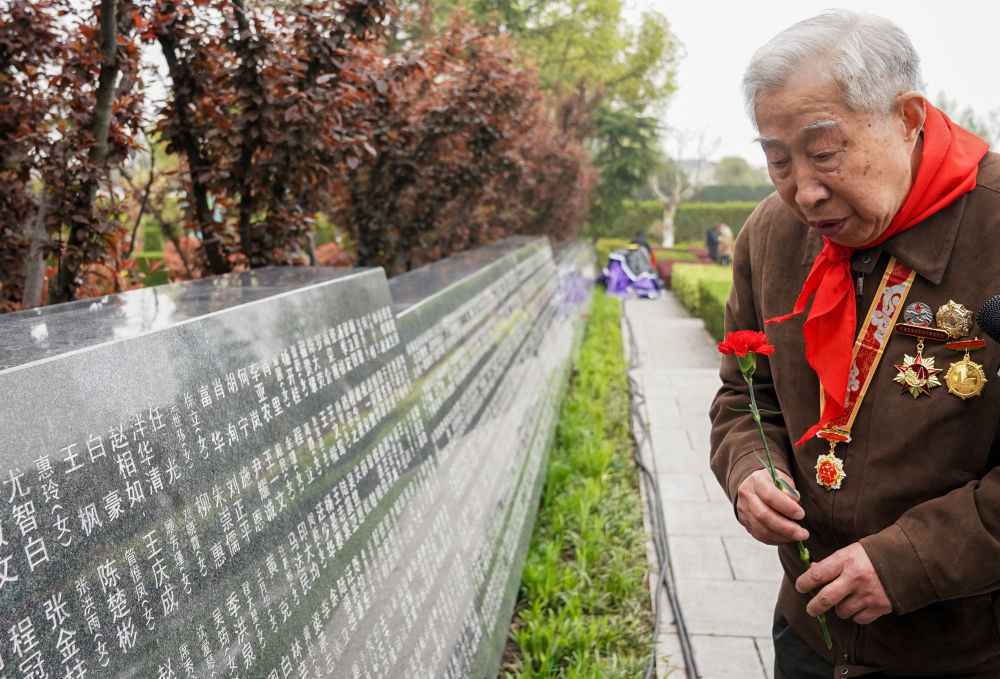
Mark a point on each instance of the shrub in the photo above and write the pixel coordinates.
(692, 219)
(637, 217)
(712, 297)
(605, 246)
(703, 290)
(152, 238)
(674, 255)
(723, 193)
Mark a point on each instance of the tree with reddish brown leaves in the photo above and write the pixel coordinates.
(464, 145)
(73, 112)
(266, 105)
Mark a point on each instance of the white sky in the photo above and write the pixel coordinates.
(957, 42)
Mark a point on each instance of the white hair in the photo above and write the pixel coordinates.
(869, 57)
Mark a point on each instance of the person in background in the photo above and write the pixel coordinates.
(712, 242)
(725, 248)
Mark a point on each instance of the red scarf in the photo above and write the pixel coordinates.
(948, 167)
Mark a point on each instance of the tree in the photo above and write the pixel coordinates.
(417, 145)
(736, 171)
(985, 125)
(464, 149)
(671, 184)
(269, 106)
(627, 153)
(72, 80)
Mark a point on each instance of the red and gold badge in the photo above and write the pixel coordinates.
(830, 468)
(830, 471)
(918, 374)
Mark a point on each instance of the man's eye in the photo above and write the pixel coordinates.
(780, 163)
(824, 157)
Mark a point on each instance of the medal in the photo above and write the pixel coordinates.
(966, 378)
(830, 468)
(917, 373)
(869, 347)
(917, 322)
(955, 319)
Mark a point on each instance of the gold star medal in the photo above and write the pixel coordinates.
(917, 373)
(966, 378)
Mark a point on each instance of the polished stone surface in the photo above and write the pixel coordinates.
(274, 474)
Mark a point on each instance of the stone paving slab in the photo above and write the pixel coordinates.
(728, 657)
(726, 582)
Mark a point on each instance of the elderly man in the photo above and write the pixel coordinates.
(864, 270)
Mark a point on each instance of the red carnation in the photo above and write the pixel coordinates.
(743, 342)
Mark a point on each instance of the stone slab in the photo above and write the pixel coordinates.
(699, 558)
(281, 471)
(727, 657)
(728, 607)
(752, 560)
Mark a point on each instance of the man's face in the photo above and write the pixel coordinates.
(844, 173)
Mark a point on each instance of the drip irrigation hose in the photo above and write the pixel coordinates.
(666, 581)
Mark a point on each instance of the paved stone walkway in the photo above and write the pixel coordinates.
(727, 582)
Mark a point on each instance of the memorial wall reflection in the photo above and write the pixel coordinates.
(283, 473)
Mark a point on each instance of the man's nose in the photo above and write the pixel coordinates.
(810, 192)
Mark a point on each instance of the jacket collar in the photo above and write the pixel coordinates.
(926, 248)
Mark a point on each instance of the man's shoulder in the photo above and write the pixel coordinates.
(770, 214)
(988, 177)
(771, 219)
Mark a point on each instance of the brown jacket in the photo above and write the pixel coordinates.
(922, 492)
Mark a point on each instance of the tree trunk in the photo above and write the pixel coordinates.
(182, 78)
(72, 261)
(34, 266)
(668, 225)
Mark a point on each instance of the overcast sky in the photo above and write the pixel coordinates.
(957, 41)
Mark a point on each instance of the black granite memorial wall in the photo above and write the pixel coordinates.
(281, 473)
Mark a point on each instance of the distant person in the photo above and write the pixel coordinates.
(712, 242)
(641, 241)
(725, 247)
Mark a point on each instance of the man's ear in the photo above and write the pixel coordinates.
(912, 110)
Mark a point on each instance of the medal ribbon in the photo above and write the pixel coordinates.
(872, 340)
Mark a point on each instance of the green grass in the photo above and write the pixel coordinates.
(583, 609)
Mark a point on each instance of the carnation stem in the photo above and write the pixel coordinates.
(782, 485)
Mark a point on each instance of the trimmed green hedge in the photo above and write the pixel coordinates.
(637, 217)
(605, 246)
(712, 298)
(692, 219)
(723, 193)
(703, 290)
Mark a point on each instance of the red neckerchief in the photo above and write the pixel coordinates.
(948, 167)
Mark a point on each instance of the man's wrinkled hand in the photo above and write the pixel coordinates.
(850, 585)
(767, 513)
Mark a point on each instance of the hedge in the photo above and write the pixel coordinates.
(723, 193)
(605, 246)
(712, 298)
(690, 221)
(693, 219)
(637, 217)
(703, 290)
(152, 237)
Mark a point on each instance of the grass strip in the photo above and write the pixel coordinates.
(583, 609)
